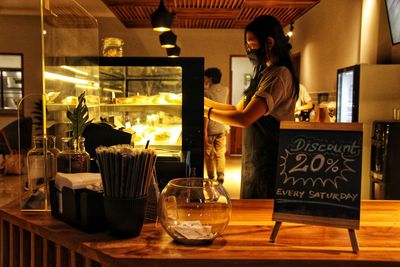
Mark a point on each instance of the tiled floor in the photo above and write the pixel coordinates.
(232, 176)
(9, 185)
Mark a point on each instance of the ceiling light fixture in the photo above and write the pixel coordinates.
(168, 39)
(290, 33)
(161, 19)
(174, 52)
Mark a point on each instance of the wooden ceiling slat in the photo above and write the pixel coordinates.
(208, 3)
(207, 24)
(279, 3)
(151, 3)
(69, 16)
(224, 14)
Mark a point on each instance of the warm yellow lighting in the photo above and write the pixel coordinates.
(112, 90)
(53, 76)
(95, 87)
(174, 52)
(168, 39)
(74, 70)
(290, 33)
(161, 29)
(167, 46)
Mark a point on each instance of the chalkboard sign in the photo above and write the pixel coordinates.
(319, 174)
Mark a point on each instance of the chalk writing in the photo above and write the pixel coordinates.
(333, 169)
(310, 145)
(339, 197)
(319, 173)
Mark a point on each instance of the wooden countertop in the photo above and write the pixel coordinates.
(245, 241)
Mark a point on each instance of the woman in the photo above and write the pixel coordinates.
(270, 98)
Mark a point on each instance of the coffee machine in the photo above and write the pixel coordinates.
(385, 160)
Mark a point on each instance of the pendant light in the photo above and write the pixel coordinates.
(174, 52)
(290, 33)
(168, 39)
(161, 19)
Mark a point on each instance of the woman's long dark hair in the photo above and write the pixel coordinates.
(268, 26)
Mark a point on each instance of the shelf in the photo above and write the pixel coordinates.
(64, 107)
(141, 105)
(154, 78)
(170, 108)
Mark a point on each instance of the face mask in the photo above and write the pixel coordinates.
(256, 56)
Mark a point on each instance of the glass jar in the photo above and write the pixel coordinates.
(41, 168)
(51, 146)
(194, 211)
(73, 157)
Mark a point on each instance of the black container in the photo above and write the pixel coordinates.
(125, 216)
(81, 208)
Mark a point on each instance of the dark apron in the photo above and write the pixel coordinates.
(259, 154)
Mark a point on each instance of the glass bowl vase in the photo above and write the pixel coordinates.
(194, 211)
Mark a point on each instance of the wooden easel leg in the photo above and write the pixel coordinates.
(353, 240)
(275, 231)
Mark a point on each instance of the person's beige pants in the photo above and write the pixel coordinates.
(215, 155)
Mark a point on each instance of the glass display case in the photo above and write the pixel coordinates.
(159, 101)
(146, 102)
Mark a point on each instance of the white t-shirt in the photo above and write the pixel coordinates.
(277, 87)
(304, 97)
(217, 93)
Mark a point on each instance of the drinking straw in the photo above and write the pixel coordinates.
(128, 186)
(138, 175)
(143, 174)
(126, 171)
(101, 167)
(102, 160)
(107, 173)
(123, 174)
(117, 164)
(151, 171)
(111, 172)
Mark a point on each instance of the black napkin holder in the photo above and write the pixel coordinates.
(81, 208)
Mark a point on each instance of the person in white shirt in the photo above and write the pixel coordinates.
(214, 132)
(303, 104)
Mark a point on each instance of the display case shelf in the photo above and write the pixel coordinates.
(156, 99)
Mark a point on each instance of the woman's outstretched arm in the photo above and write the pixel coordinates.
(239, 117)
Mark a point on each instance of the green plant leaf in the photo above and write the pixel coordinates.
(79, 117)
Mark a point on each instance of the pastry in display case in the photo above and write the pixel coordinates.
(159, 101)
(151, 108)
(63, 85)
